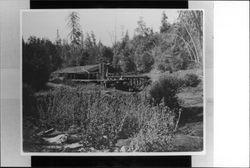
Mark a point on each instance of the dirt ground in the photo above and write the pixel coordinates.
(189, 135)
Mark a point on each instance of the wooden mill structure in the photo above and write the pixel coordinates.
(102, 74)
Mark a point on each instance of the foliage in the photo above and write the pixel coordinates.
(142, 52)
(126, 64)
(142, 29)
(165, 90)
(156, 133)
(147, 118)
(99, 115)
(40, 58)
(75, 28)
(191, 80)
(165, 25)
(177, 46)
(190, 30)
(105, 54)
(29, 102)
(123, 59)
(84, 51)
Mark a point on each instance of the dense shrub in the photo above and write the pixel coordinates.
(105, 118)
(156, 133)
(29, 102)
(191, 80)
(165, 89)
(40, 58)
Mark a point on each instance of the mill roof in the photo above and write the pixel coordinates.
(79, 69)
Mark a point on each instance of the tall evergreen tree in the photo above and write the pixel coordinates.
(75, 28)
(58, 38)
(165, 25)
(75, 36)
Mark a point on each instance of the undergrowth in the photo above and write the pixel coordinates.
(113, 116)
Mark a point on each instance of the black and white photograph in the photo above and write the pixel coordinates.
(112, 81)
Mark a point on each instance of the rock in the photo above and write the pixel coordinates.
(42, 133)
(54, 133)
(59, 139)
(48, 131)
(81, 150)
(72, 147)
(53, 148)
(92, 149)
(74, 138)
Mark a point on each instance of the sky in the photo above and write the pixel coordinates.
(103, 22)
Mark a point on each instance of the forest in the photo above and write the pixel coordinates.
(149, 120)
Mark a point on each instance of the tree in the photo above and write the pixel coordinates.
(123, 59)
(105, 53)
(36, 62)
(190, 31)
(58, 38)
(93, 38)
(75, 28)
(76, 37)
(126, 64)
(142, 29)
(147, 61)
(91, 48)
(142, 46)
(165, 25)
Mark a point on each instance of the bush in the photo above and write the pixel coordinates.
(130, 126)
(105, 118)
(165, 89)
(191, 80)
(29, 102)
(96, 113)
(156, 133)
(40, 58)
